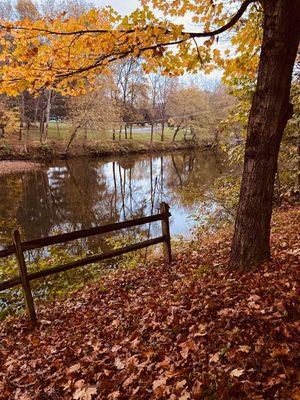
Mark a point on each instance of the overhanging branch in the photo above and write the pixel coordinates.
(215, 32)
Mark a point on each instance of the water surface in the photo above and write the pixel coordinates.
(67, 195)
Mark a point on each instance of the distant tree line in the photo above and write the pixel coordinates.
(126, 99)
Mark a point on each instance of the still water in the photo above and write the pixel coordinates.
(67, 195)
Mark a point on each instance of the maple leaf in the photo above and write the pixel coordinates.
(161, 382)
(280, 351)
(119, 364)
(74, 368)
(185, 396)
(244, 349)
(214, 358)
(202, 330)
(85, 393)
(114, 395)
(186, 347)
(197, 390)
(181, 384)
(129, 380)
(237, 372)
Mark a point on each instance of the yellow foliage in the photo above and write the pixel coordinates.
(66, 53)
(9, 119)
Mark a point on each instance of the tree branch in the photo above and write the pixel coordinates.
(227, 26)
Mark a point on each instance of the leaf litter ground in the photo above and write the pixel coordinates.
(190, 330)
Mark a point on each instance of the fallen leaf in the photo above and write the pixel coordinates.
(119, 364)
(161, 382)
(85, 393)
(237, 372)
(244, 349)
(214, 358)
(74, 368)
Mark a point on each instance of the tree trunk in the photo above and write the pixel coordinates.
(57, 126)
(151, 133)
(298, 173)
(36, 109)
(22, 119)
(72, 137)
(85, 133)
(42, 125)
(20, 131)
(269, 114)
(47, 113)
(185, 134)
(175, 133)
(162, 131)
(27, 130)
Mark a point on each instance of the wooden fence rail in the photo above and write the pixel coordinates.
(19, 247)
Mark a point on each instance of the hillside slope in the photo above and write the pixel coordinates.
(191, 330)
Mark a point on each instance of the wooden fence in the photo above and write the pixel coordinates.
(19, 247)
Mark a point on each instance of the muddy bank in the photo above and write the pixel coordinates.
(10, 167)
(53, 150)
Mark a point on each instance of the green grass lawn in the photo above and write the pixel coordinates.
(62, 132)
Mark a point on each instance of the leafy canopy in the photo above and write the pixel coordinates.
(66, 53)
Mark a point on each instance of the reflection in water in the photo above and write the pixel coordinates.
(81, 193)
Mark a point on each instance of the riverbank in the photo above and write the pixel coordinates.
(190, 330)
(57, 150)
(10, 167)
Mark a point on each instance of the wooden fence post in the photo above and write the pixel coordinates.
(165, 227)
(24, 277)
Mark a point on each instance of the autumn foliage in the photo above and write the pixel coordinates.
(63, 52)
(191, 330)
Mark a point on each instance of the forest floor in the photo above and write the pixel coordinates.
(190, 330)
(55, 150)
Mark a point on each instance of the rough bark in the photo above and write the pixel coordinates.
(176, 132)
(42, 125)
(72, 137)
(269, 114)
(47, 113)
(162, 131)
(152, 132)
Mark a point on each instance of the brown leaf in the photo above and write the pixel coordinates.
(214, 358)
(160, 382)
(119, 364)
(237, 372)
(197, 390)
(85, 393)
(73, 368)
(244, 349)
(186, 347)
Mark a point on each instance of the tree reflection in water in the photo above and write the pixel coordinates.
(76, 194)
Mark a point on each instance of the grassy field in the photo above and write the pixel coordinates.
(62, 132)
(98, 144)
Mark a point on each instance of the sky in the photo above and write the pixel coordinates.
(126, 6)
(123, 7)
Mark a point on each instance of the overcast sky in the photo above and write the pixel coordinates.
(127, 6)
(121, 6)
